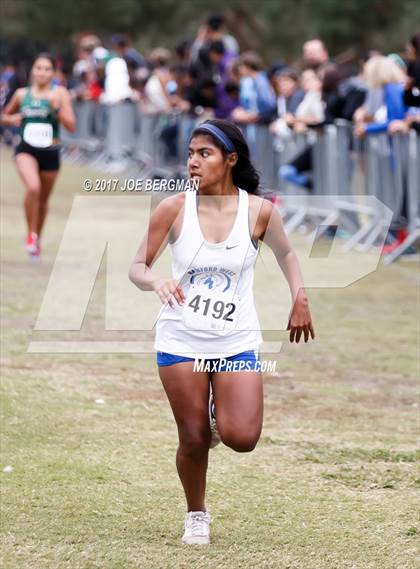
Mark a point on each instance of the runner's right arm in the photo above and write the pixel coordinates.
(153, 244)
(9, 116)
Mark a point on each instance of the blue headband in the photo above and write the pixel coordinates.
(219, 134)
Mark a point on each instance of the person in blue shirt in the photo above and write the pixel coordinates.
(383, 73)
(257, 100)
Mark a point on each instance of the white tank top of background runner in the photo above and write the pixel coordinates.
(218, 318)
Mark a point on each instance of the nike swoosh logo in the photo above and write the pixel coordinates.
(232, 247)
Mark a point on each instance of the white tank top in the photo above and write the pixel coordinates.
(218, 318)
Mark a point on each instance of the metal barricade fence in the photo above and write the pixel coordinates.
(122, 130)
(186, 124)
(293, 207)
(383, 181)
(384, 171)
(333, 166)
(324, 211)
(265, 157)
(413, 179)
(87, 142)
(408, 156)
(121, 134)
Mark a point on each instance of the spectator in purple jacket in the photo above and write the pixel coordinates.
(227, 99)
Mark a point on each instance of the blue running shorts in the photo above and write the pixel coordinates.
(245, 361)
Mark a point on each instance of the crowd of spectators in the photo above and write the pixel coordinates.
(209, 76)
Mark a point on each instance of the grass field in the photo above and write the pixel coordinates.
(332, 484)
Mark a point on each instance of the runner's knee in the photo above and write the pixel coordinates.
(193, 440)
(240, 441)
(34, 189)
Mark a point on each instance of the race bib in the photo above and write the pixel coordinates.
(207, 309)
(39, 135)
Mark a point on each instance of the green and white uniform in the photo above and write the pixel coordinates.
(40, 122)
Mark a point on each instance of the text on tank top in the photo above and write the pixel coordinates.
(39, 124)
(219, 317)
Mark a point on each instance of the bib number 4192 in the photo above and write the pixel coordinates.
(206, 309)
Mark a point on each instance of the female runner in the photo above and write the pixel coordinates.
(208, 314)
(38, 110)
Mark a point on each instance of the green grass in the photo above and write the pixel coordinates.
(332, 484)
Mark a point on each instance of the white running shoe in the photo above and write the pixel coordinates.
(197, 530)
(32, 245)
(215, 436)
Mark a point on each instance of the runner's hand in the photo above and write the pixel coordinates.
(300, 321)
(54, 99)
(15, 120)
(168, 290)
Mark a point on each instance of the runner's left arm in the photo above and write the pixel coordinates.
(275, 237)
(65, 110)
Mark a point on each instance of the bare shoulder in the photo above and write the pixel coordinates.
(62, 91)
(15, 101)
(260, 207)
(19, 94)
(260, 211)
(169, 208)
